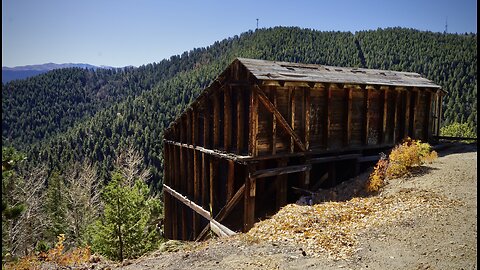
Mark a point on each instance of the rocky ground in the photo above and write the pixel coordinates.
(427, 221)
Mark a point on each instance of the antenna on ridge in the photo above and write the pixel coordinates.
(446, 25)
(257, 25)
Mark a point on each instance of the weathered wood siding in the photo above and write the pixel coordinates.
(245, 141)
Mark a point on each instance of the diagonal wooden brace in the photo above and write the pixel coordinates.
(281, 120)
(225, 210)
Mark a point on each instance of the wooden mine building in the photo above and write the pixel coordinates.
(263, 127)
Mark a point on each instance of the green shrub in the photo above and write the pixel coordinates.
(458, 130)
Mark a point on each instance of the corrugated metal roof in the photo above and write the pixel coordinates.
(285, 71)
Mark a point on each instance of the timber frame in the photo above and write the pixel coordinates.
(263, 128)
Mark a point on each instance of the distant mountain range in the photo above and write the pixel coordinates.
(23, 72)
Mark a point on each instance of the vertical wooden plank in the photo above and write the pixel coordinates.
(188, 125)
(292, 117)
(348, 116)
(249, 202)
(384, 115)
(196, 192)
(206, 128)
(184, 233)
(240, 121)
(166, 181)
(407, 132)
(307, 118)
(328, 114)
(281, 186)
(435, 111)
(205, 181)
(212, 184)
(185, 186)
(428, 116)
(396, 136)
(273, 92)
(366, 121)
(440, 97)
(174, 183)
(253, 123)
(230, 179)
(216, 121)
(415, 113)
(194, 126)
(227, 115)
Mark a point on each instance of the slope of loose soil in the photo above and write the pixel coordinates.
(428, 221)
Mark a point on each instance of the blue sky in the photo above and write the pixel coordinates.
(120, 33)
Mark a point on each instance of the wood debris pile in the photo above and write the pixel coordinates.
(332, 228)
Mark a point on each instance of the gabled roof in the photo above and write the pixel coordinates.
(285, 71)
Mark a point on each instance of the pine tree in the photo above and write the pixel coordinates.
(123, 231)
(56, 207)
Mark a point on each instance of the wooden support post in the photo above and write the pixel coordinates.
(348, 116)
(249, 202)
(240, 121)
(230, 179)
(281, 185)
(305, 176)
(307, 118)
(227, 115)
(253, 124)
(367, 106)
(292, 118)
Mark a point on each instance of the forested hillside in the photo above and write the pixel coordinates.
(75, 114)
(92, 138)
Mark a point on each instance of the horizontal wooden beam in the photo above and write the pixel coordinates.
(280, 171)
(218, 228)
(368, 158)
(333, 158)
(279, 117)
(217, 153)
